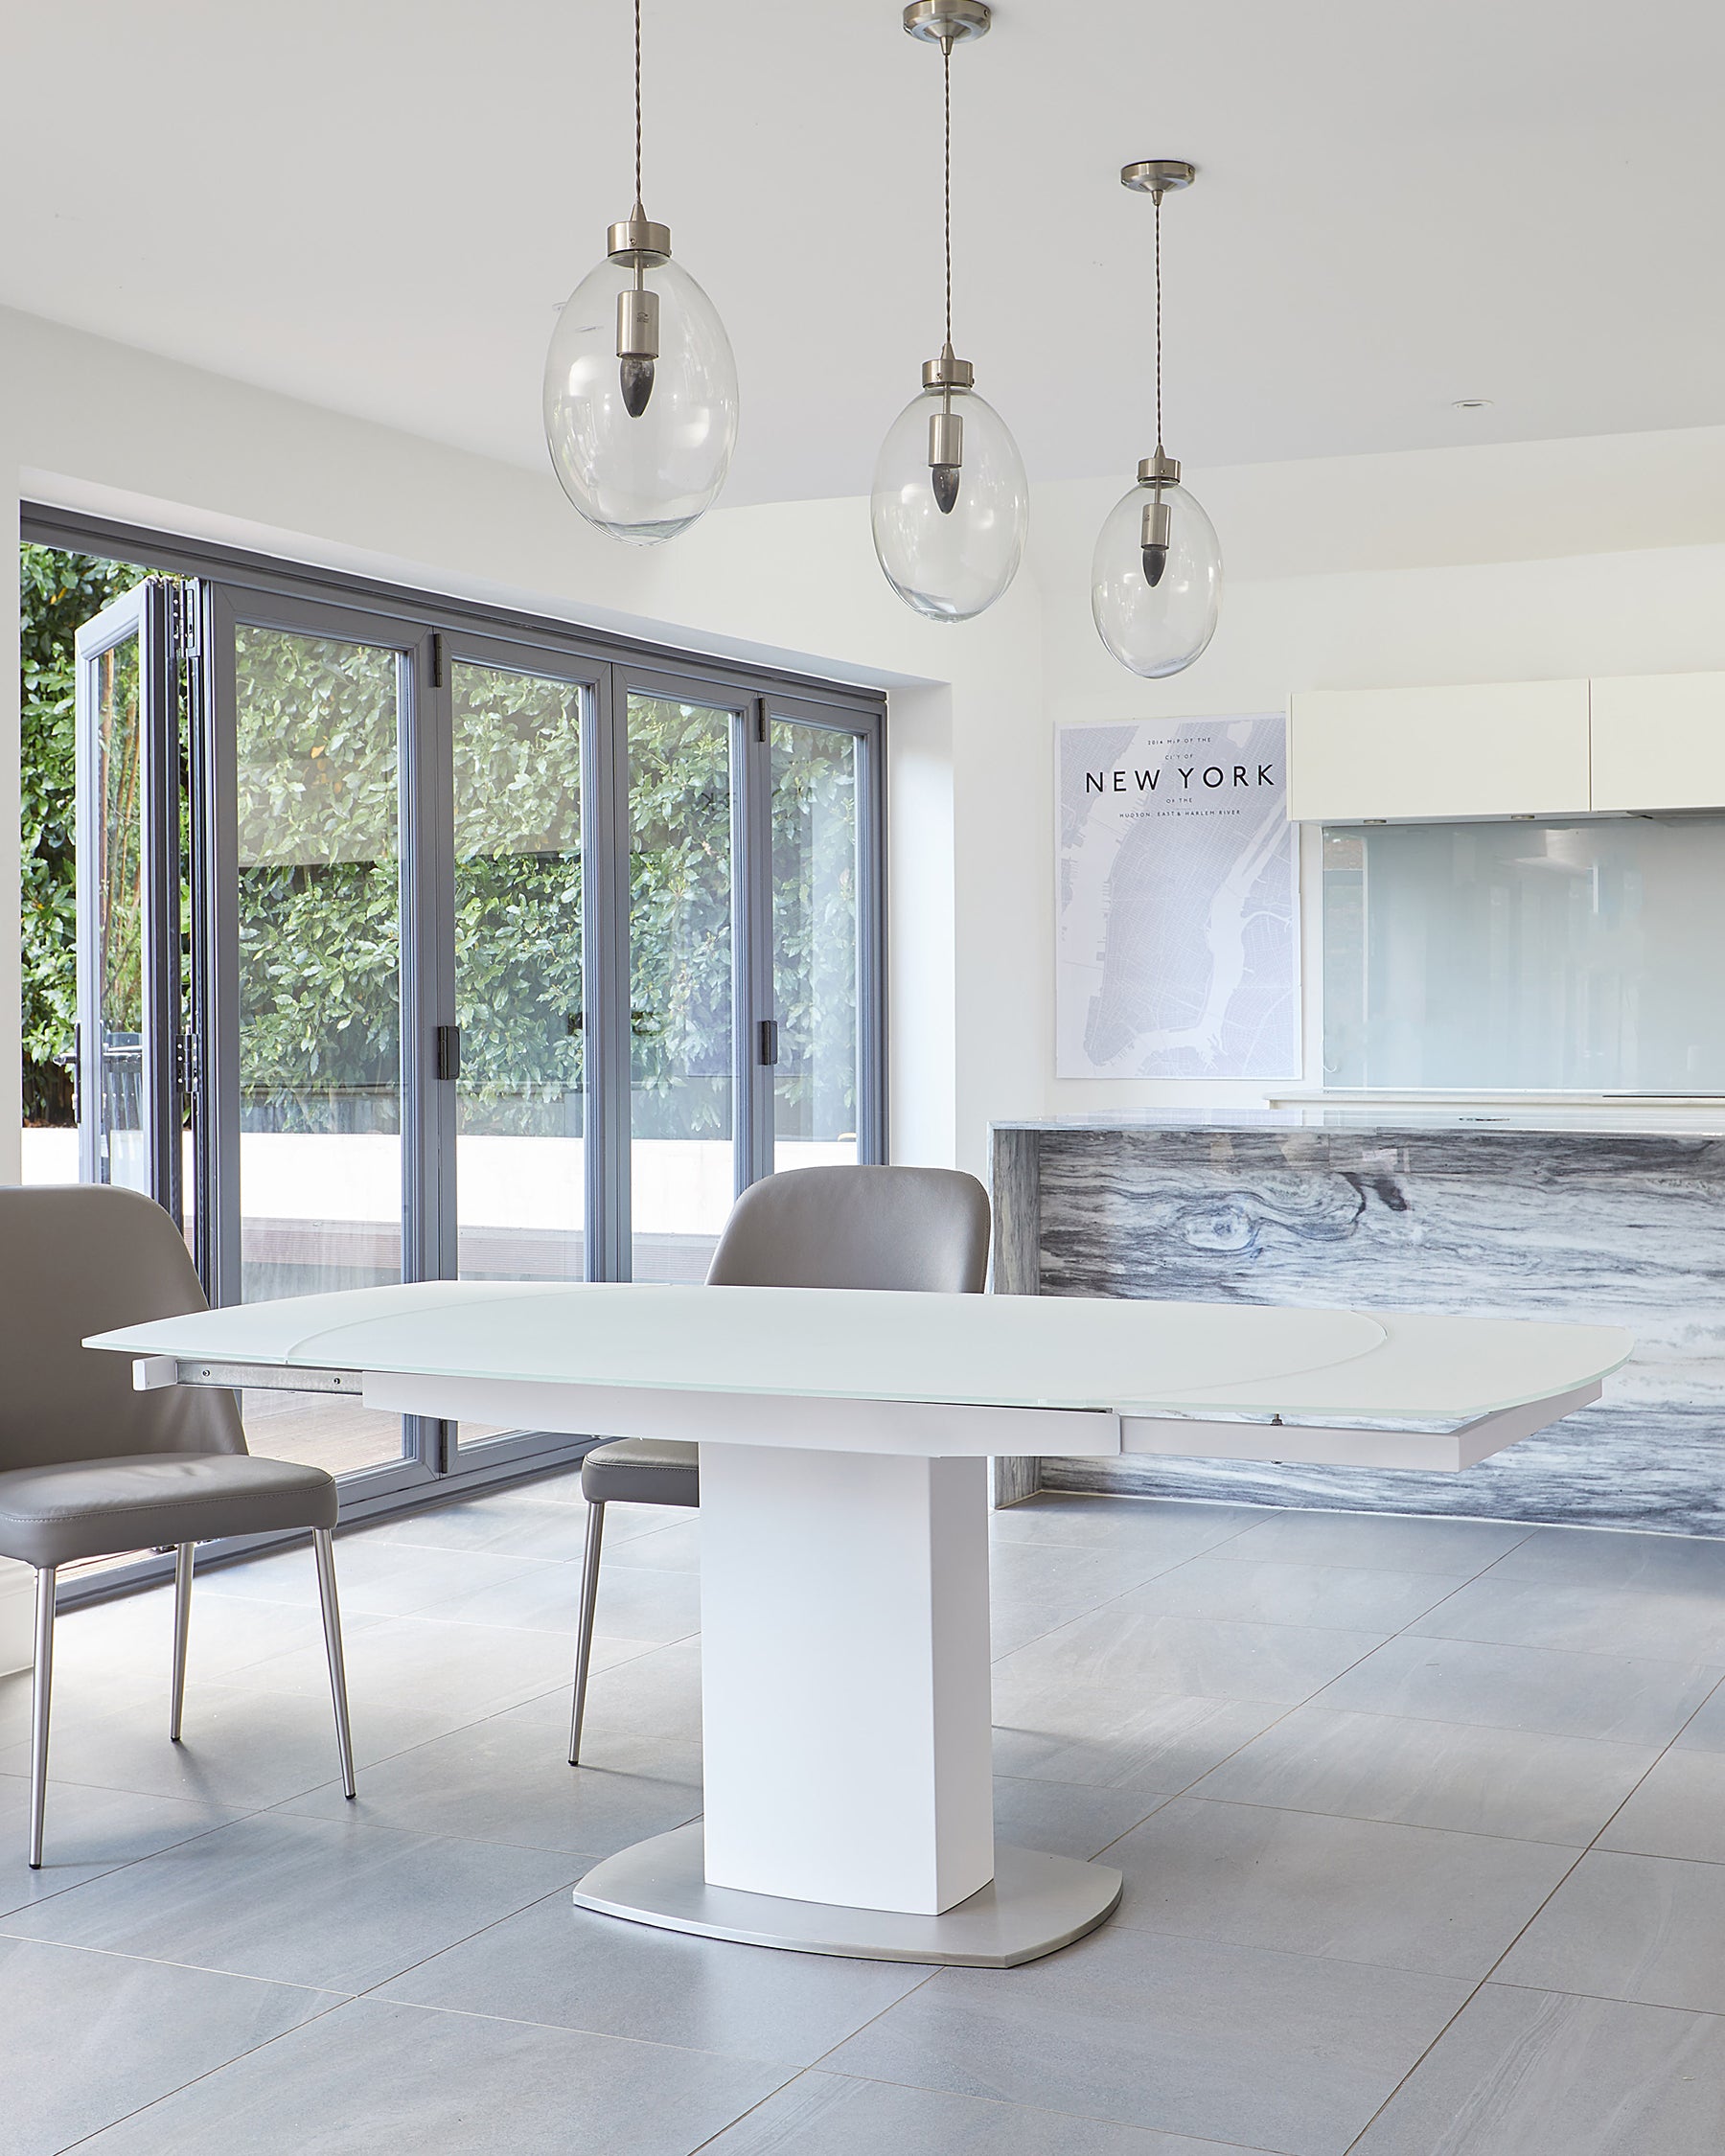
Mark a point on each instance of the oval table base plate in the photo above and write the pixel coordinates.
(1033, 1905)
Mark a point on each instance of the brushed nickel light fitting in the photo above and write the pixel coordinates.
(951, 502)
(1157, 176)
(1156, 581)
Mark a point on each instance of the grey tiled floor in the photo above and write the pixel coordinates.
(1422, 1823)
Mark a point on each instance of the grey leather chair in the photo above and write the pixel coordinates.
(919, 1229)
(91, 1468)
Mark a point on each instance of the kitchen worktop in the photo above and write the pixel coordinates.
(1600, 1212)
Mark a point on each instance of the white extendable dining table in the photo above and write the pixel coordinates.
(844, 1538)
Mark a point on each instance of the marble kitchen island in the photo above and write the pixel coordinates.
(1610, 1216)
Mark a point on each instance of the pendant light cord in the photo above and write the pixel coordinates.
(946, 72)
(638, 90)
(1159, 392)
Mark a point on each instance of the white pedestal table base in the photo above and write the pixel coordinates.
(1033, 1905)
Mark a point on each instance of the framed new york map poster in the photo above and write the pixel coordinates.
(1178, 936)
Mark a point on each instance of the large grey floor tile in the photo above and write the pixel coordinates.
(376, 1578)
(1567, 1694)
(110, 1668)
(115, 1657)
(561, 1486)
(1524, 1784)
(386, 1579)
(836, 2115)
(231, 1635)
(1678, 1811)
(1266, 1592)
(374, 2079)
(449, 1671)
(1602, 1557)
(1410, 1897)
(241, 1748)
(1061, 1571)
(1117, 1740)
(657, 1694)
(1460, 1547)
(672, 1547)
(508, 1780)
(1630, 1927)
(88, 1831)
(526, 1522)
(1036, 1587)
(1270, 2051)
(1706, 1732)
(1685, 1625)
(1066, 1819)
(1162, 1528)
(635, 1601)
(571, 1969)
(335, 1905)
(89, 2037)
(1530, 2073)
(624, 1523)
(1131, 1644)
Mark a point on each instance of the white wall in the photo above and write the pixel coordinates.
(1309, 615)
(96, 425)
(1549, 559)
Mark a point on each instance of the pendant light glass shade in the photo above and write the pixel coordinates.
(951, 504)
(950, 562)
(645, 475)
(1158, 628)
(1156, 576)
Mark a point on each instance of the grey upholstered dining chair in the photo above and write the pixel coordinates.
(91, 1468)
(913, 1228)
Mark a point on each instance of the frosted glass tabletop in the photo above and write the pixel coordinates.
(1132, 1358)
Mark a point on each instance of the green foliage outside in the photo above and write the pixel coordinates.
(319, 919)
(319, 855)
(58, 594)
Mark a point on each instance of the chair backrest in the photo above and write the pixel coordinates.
(81, 1259)
(857, 1227)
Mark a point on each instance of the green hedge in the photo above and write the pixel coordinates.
(319, 878)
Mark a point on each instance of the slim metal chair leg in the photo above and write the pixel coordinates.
(584, 1638)
(182, 1633)
(323, 1541)
(42, 1687)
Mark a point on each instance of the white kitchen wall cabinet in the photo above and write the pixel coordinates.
(1484, 749)
(1659, 742)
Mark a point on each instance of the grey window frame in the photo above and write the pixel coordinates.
(430, 634)
(142, 615)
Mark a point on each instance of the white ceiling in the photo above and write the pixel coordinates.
(375, 204)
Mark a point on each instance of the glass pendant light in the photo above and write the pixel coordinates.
(951, 503)
(1156, 580)
(640, 383)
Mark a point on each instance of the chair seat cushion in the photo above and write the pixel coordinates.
(643, 1471)
(99, 1508)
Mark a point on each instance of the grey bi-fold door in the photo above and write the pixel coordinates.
(127, 836)
(416, 950)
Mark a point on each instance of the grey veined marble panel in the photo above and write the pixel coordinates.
(1612, 1228)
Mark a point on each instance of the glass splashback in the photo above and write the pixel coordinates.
(1531, 956)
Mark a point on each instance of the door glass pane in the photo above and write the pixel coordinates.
(682, 1162)
(520, 1173)
(320, 1000)
(519, 996)
(123, 1156)
(814, 930)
